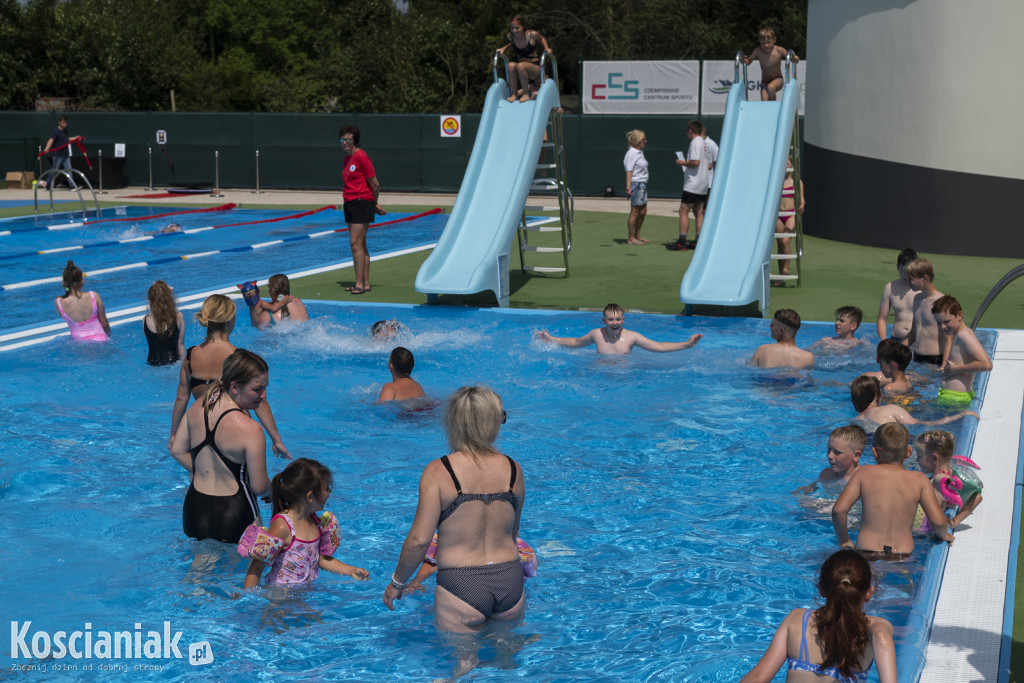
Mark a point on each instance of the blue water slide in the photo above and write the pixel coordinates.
(472, 254)
(731, 264)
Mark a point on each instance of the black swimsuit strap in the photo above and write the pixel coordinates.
(211, 438)
(455, 480)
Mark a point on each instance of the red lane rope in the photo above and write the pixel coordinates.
(223, 207)
(280, 218)
(78, 142)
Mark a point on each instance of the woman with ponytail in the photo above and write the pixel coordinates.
(203, 363)
(85, 315)
(223, 449)
(837, 641)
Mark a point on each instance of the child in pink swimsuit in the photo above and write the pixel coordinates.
(298, 543)
(93, 328)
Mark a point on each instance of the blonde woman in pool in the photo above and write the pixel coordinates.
(203, 365)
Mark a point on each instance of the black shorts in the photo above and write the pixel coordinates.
(927, 358)
(360, 211)
(694, 199)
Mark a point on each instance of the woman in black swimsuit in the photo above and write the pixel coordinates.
(527, 47)
(473, 497)
(164, 326)
(225, 451)
(202, 366)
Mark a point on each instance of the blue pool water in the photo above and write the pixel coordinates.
(658, 497)
(33, 305)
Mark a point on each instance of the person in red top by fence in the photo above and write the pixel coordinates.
(360, 192)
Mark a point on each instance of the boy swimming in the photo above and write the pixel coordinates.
(613, 338)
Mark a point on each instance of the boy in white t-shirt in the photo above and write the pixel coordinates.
(712, 147)
(695, 186)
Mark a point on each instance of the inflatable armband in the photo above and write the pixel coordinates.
(250, 292)
(330, 534)
(259, 544)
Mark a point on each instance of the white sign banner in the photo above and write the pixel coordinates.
(119, 150)
(640, 87)
(717, 79)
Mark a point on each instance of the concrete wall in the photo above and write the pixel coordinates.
(911, 134)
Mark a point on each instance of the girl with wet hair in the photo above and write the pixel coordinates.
(164, 326)
(837, 641)
(82, 311)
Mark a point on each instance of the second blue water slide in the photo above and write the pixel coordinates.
(472, 254)
(731, 264)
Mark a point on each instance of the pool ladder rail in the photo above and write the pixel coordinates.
(49, 177)
(555, 141)
(797, 236)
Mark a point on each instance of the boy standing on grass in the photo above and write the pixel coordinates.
(924, 339)
(966, 355)
(891, 495)
(614, 338)
(696, 170)
(784, 352)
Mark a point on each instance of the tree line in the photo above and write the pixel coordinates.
(322, 56)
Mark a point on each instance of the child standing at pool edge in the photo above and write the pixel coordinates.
(299, 543)
(837, 640)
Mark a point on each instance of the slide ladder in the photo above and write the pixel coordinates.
(473, 252)
(558, 186)
(797, 236)
(731, 264)
(48, 179)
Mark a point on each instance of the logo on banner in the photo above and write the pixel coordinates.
(451, 126)
(617, 88)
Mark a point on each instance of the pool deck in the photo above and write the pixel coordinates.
(971, 633)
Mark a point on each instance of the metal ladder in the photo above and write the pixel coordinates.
(49, 177)
(556, 186)
(796, 237)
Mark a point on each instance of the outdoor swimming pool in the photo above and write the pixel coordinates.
(213, 247)
(658, 497)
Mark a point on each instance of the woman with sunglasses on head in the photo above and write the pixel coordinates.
(473, 497)
(360, 193)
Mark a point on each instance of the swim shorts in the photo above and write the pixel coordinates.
(928, 358)
(638, 194)
(950, 398)
(360, 211)
(694, 199)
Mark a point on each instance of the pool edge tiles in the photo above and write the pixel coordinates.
(966, 632)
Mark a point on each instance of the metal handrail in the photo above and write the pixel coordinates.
(741, 59)
(52, 174)
(544, 58)
(1000, 286)
(494, 67)
(790, 64)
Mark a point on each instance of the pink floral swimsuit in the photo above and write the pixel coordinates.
(297, 563)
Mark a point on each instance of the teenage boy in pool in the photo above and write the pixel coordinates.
(845, 446)
(866, 396)
(848, 320)
(771, 57)
(615, 339)
(890, 495)
(898, 297)
(784, 353)
(966, 355)
(402, 386)
(924, 338)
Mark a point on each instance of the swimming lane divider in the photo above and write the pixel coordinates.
(143, 238)
(81, 224)
(231, 250)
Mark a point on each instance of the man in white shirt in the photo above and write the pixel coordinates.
(712, 147)
(696, 167)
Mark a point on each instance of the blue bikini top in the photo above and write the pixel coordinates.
(802, 664)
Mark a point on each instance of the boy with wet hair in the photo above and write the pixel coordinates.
(848, 319)
(614, 338)
(402, 386)
(924, 338)
(893, 359)
(966, 355)
(771, 57)
(898, 297)
(845, 446)
(890, 495)
(866, 396)
(784, 353)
